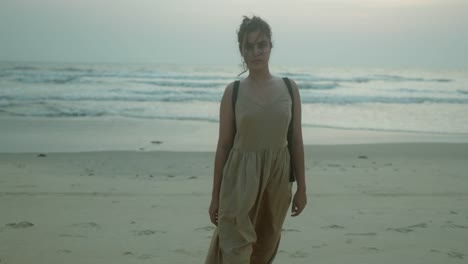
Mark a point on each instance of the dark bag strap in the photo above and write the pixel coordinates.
(290, 130)
(234, 100)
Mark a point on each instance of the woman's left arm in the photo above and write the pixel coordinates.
(300, 197)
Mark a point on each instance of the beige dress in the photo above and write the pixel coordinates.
(255, 189)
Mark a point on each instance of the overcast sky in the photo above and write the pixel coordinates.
(378, 33)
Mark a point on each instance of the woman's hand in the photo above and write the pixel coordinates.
(214, 211)
(299, 203)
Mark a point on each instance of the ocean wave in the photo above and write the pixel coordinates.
(317, 86)
(46, 79)
(183, 84)
(385, 129)
(362, 79)
(191, 96)
(346, 100)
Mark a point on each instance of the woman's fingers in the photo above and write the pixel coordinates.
(214, 218)
(296, 210)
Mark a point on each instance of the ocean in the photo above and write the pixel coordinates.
(394, 100)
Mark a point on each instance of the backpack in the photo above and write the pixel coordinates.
(290, 128)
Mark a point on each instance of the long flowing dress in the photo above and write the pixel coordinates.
(255, 189)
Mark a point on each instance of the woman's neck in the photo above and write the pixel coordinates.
(260, 75)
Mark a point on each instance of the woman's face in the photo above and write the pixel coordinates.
(256, 50)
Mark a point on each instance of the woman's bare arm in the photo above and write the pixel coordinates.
(225, 140)
(300, 198)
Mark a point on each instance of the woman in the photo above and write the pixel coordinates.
(251, 184)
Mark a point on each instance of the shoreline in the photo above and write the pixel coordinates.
(23, 135)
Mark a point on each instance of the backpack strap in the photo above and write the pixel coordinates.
(290, 130)
(235, 91)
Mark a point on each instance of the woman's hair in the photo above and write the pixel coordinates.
(247, 26)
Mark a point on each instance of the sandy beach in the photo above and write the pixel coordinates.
(368, 203)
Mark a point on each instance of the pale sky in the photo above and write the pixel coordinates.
(377, 33)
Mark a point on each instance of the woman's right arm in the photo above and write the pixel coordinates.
(225, 141)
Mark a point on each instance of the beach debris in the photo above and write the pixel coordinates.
(42, 155)
(156, 142)
(362, 157)
(23, 224)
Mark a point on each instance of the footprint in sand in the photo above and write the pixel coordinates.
(320, 246)
(290, 230)
(182, 251)
(26, 186)
(332, 227)
(72, 236)
(23, 224)
(454, 254)
(205, 228)
(361, 234)
(401, 229)
(407, 229)
(299, 254)
(87, 225)
(147, 232)
(373, 249)
(145, 256)
(89, 172)
(454, 226)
